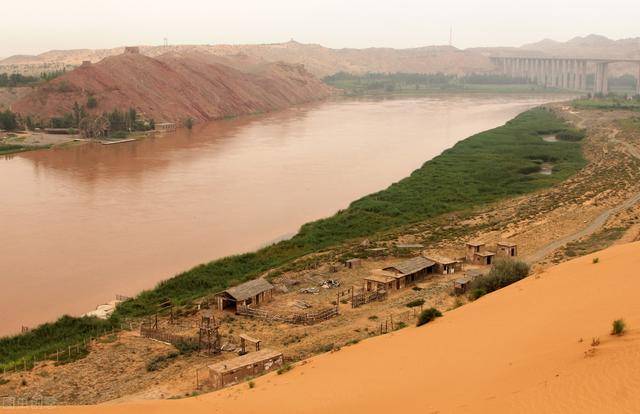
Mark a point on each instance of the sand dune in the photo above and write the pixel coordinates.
(519, 350)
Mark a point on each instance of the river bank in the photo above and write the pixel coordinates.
(500, 149)
(533, 221)
(220, 189)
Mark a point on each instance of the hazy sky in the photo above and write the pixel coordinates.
(34, 26)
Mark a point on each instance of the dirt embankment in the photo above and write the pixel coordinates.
(174, 87)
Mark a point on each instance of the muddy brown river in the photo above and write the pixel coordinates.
(82, 224)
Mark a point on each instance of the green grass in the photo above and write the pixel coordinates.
(481, 169)
(49, 338)
(11, 148)
(417, 84)
(608, 103)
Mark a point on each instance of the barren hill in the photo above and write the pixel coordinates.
(319, 60)
(175, 87)
(542, 345)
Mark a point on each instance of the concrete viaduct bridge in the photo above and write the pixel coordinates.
(561, 72)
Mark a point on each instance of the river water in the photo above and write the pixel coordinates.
(82, 224)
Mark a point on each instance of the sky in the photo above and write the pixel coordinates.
(35, 26)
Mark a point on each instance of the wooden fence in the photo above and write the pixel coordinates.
(308, 318)
(399, 320)
(362, 298)
(148, 332)
(63, 354)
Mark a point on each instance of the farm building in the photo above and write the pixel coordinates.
(444, 265)
(484, 258)
(474, 247)
(399, 275)
(507, 249)
(253, 292)
(461, 285)
(353, 263)
(165, 127)
(377, 282)
(237, 369)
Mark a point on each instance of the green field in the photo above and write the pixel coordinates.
(608, 103)
(484, 168)
(416, 83)
(11, 148)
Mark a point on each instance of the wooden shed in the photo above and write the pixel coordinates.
(376, 282)
(445, 265)
(251, 293)
(507, 249)
(461, 285)
(237, 369)
(399, 275)
(353, 263)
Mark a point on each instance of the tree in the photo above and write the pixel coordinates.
(92, 102)
(8, 121)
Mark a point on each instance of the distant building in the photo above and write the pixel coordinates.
(477, 254)
(86, 63)
(132, 49)
(507, 249)
(165, 127)
(460, 286)
(353, 263)
(235, 370)
(251, 293)
(473, 247)
(400, 275)
(484, 258)
(444, 265)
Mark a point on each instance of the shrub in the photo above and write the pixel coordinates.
(571, 135)
(252, 384)
(595, 260)
(503, 273)
(160, 361)
(618, 327)
(415, 303)
(428, 315)
(373, 318)
(187, 347)
(285, 368)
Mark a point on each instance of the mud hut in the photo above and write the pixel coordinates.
(507, 249)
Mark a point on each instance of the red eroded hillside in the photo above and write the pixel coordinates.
(173, 87)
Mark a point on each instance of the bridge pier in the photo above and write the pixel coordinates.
(566, 73)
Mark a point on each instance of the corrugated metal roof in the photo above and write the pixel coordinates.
(249, 289)
(412, 265)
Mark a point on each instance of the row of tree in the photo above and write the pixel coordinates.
(17, 79)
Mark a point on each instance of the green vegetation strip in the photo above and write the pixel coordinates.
(484, 168)
(609, 103)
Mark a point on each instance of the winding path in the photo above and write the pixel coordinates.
(600, 220)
